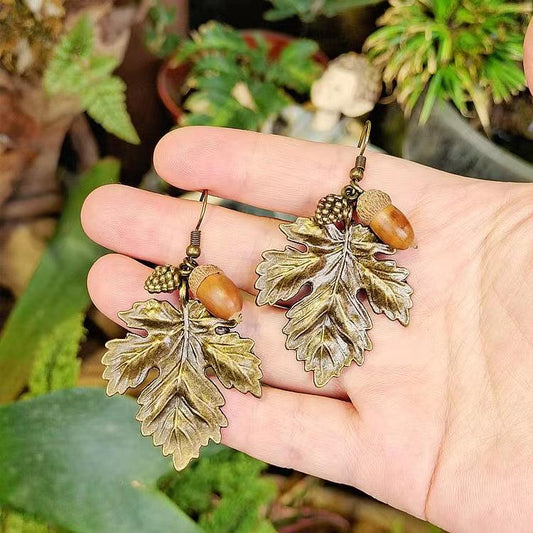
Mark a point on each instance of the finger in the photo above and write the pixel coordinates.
(311, 434)
(156, 228)
(115, 282)
(528, 56)
(281, 173)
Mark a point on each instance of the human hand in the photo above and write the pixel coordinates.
(439, 420)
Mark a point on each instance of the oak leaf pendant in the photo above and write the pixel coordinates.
(328, 327)
(181, 407)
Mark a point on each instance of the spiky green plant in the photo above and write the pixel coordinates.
(240, 85)
(466, 51)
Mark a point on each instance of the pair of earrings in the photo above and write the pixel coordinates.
(327, 328)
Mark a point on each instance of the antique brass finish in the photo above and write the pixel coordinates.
(180, 408)
(328, 326)
(166, 278)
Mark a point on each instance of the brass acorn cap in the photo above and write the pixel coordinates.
(199, 274)
(371, 202)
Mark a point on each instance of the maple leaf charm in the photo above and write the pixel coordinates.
(180, 408)
(328, 327)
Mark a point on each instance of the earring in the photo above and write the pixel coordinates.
(180, 408)
(328, 326)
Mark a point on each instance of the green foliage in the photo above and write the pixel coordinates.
(57, 366)
(57, 292)
(159, 39)
(241, 86)
(75, 459)
(308, 10)
(225, 492)
(13, 522)
(75, 69)
(463, 51)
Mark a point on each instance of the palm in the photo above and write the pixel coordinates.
(423, 423)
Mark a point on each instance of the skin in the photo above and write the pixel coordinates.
(438, 422)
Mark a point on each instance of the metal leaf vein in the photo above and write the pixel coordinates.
(328, 327)
(181, 407)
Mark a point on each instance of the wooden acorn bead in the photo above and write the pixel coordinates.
(375, 209)
(216, 291)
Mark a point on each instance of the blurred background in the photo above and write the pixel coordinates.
(87, 87)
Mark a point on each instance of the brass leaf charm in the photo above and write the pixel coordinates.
(328, 327)
(181, 407)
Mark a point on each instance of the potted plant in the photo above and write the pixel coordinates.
(225, 77)
(468, 53)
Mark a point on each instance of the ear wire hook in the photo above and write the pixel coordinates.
(204, 197)
(193, 252)
(364, 137)
(196, 233)
(356, 174)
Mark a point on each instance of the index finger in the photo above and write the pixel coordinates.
(281, 173)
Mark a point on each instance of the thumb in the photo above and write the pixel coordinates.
(528, 56)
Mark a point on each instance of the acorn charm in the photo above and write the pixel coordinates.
(185, 341)
(216, 291)
(331, 260)
(375, 209)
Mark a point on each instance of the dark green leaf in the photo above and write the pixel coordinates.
(308, 10)
(76, 459)
(57, 291)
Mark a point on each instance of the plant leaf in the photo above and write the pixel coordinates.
(328, 327)
(75, 459)
(62, 70)
(75, 70)
(296, 67)
(57, 290)
(308, 10)
(181, 407)
(105, 101)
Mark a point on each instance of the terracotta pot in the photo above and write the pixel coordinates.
(172, 75)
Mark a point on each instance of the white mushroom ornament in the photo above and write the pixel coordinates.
(350, 86)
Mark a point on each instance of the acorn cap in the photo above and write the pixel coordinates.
(198, 275)
(371, 202)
